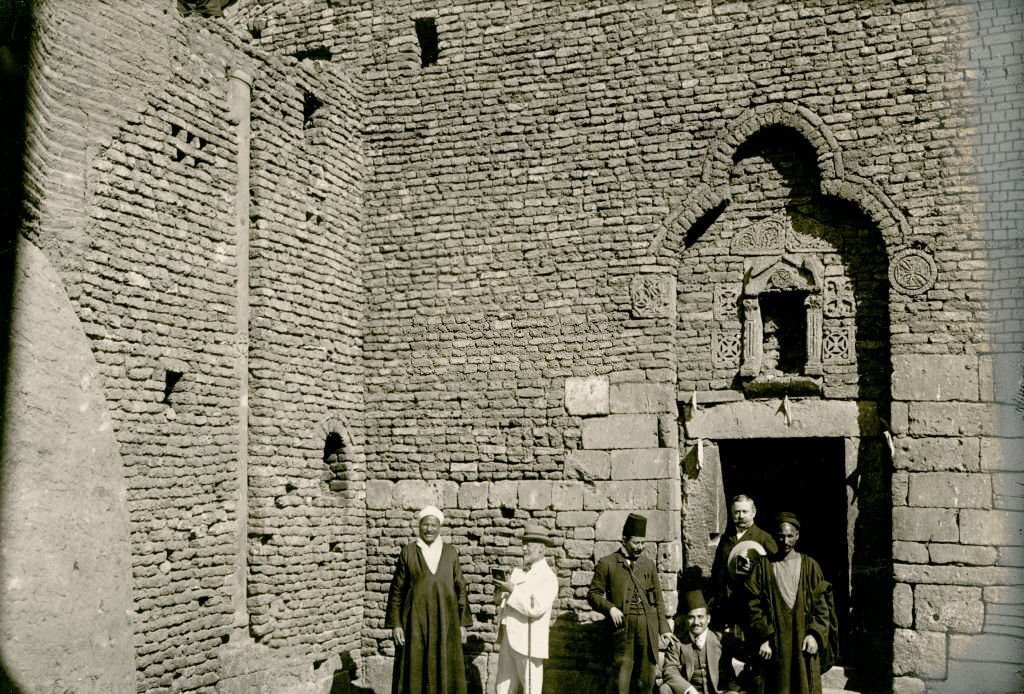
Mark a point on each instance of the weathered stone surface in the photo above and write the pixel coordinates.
(767, 419)
(503, 494)
(924, 454)
(980, 675)
(986, 647)
(952, 419)
(534, 495)
(903, 605)
(415, 494)
(620, 431)
(609, 525)
(908, 685)
(992, 527)
(1008, 491)
(925, 524)
(473, 495)
(948, 608)
(910, 552)
(1002, 454)
(588, 465)
(962, 554)
(951, 489)
(379, 493)
(956, 575)
(654, 398)
(1011, 555)
(567, 496)
(574, 519)
(620, 495)
(644, 464)
(900, 488)
(919, 653)
(936, 377)
(587, 396)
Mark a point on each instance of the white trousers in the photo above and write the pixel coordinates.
(515, 670)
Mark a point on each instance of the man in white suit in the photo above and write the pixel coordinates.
(525, 615)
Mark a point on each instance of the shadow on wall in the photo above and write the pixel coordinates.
(344, 677)
(15, 43)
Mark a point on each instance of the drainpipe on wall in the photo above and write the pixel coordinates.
(239, 105)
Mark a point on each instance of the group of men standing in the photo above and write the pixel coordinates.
(769, 628)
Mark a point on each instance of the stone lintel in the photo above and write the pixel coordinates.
(767, 419)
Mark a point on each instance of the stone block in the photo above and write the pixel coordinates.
(900, 488)
(578, 549)
(993, 648)
(587, 395)
(925, 524)
(919, 653)
(620, 431)
(567, 496)
(576, 519)
(981, 676)
(903, 605)
(503, 494)
(949, 608)
(588, 465)
(766, 419)
(604, 547)
(648, 398)
(910, 552)
(951, 419)
(415, 494)
(446, 493)
(935, 377)
(945, 453)
(962, 554)
(670, 495)
(473, 495)
(992, 527)
(609, 525)
(900, 417)
(1004, 595)
(623, 495)
(534, 495)
(956, 575)
(1011, 556)
(644, 464)
(950, 490)
(379, 494)
(1008, 491)
(908, 685)
(1002, 454)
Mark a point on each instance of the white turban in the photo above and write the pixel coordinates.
(430, 511)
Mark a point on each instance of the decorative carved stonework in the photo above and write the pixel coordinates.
(727, 299)
(837, 345)
(839, 301)
(912, 271)
(725, 349)
(753, 337)
(766, 237)
(814, 320)
(650, 296)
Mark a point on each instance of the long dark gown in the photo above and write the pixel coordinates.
(431, 608)
(791, 671)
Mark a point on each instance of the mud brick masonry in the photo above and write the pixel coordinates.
(284, 272)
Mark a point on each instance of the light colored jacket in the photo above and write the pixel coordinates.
(526, 611)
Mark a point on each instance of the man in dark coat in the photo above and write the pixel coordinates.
(792, 618)
(728, 602)
(428, 611)
(625, 587)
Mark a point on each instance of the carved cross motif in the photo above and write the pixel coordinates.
(649, 295)
(726, 349)
(837, 345)
(912, 271)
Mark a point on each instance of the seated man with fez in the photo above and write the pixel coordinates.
(696, 663)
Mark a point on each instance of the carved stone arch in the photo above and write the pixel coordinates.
(686, 221)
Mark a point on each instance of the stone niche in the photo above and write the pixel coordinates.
(782, 325)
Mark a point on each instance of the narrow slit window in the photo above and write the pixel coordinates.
(426, 32)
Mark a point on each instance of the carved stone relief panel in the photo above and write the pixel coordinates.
(650, 296)
(837, 344)
(726, 349)
(765, 237)
(839, 301)
(727, 297)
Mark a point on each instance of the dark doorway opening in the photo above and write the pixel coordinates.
(807, 477)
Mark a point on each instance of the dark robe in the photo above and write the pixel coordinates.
(729, 604)
(431, 608)
(790, 671)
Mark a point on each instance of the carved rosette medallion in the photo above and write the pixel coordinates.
(727, 299)
(837, 345)
(839, 302)
(649, 295)
(912, 271)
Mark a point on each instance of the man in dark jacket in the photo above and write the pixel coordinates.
(626, 589)
(732, 565)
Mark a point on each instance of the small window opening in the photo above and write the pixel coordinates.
(318, 53)
(426, 32)
(785, 332)
(310, 105)
(334, 448)
(171, 379)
